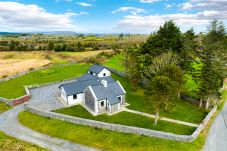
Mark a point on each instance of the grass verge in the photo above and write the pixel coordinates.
(8, 143)
(129, 119)
(14, 88)
(4, 107)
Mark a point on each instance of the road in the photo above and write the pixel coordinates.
(10, 125)
(217, 137)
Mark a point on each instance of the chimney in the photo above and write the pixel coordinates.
(104, 83)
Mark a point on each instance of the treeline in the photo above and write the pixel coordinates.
(67, 43)
(163, 61)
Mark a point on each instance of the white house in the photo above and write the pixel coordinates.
(96, 90)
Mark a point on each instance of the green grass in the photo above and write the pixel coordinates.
(180, 110)
(104, 139)
(14, 88)
(190, 86)
(129, 119)
(4, 107)
(116, 62)
(8, 143)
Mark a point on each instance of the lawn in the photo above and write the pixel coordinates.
(14, 88)
(180, 110)
(129, 119)
(116, 62)
(8, 143)
(4, 107)
(104, 139)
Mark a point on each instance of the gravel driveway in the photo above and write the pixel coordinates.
(217, 138)
(45, 97)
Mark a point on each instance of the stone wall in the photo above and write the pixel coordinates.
(6, 101)
(17, 101)
(123, 128)
(113, 127)
(120, 73)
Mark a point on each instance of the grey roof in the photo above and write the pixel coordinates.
(78, 87)
(110, 92)
(83, 82)
(87, 77)
(96, 68)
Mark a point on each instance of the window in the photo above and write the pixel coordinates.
(104, 74)
(91, 72)
(75, 96)
(119, 98)
(102, 104)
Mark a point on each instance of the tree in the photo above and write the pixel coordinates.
(159, 93)
(167, 38)
(51, 45)
(163, 80)
(188, 53)
(212, 70)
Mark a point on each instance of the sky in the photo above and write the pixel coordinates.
(108, 16)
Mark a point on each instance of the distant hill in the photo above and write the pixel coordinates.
(9, 33)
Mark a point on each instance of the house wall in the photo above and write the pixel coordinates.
(99, 108)
(115, 108)
(80, 99)
(107, 72)
(63, 94)
(89, 100)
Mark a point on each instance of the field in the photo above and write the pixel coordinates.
(116, 62)
(8, 143)
(13, 62)
(56, 73)
(129, 119)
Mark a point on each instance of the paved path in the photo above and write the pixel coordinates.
(217, 137)
(11, 126)
(45, 97)
(162, 118)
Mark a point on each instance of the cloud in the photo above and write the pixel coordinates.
(148, 1)
(132, 10)
(218, 5)
(15, 16)
(84, 4)
(207, 10)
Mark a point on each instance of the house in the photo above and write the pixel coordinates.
(96, 90)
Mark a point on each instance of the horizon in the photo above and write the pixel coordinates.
(98, 16)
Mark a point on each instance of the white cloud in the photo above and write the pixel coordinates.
(84, 4)
(168, 6)
(148, 1)
(218, 5)
(15, 16)
(132, 10)
(207, 10)
(146, 24)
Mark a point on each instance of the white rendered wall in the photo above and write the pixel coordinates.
(80, 99)
(107, 72)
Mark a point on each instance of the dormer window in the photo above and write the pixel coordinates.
(104, 74)
(91, 72)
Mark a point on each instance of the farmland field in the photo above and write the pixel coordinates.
(13, 62)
